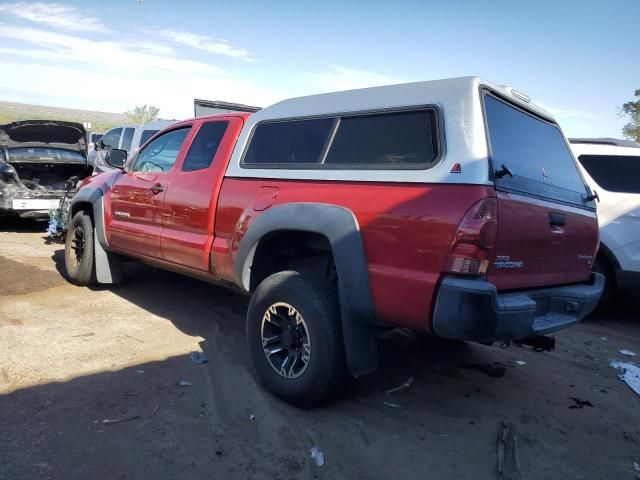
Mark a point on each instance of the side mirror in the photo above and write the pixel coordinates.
(116, 158)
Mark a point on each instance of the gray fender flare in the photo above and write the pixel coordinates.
(341, 228)
(108, 265)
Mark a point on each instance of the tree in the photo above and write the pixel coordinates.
(632, 109)
(143, 114)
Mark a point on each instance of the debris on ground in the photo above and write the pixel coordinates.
(628, 353)
(488, 368)
(393, 405)
(252, 417)
(113, 421)
(84, 335)
(508, 454)
(520, 362)
(199, 357)
(155, 410)
(133, 338)
(399, 388)
(184, 383)
(140, 371)
(630, 374)
(317, 456)
(636, 466)
(578, 403)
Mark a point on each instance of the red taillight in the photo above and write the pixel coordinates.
(474, 240)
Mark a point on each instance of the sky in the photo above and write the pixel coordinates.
(578, 59)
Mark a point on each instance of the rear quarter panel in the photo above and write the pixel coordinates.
(406, 230)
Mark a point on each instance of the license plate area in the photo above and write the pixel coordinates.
(36, 204)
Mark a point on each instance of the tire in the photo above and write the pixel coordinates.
(79, 256)
(315, 299)
(601, 265)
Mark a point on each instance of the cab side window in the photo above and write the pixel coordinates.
(161, 153)
(112, 139)
(204, 146)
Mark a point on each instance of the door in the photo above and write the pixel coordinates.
(547, 229)
(191, 200)
(614, 173)
(110, 140)
(138, 195)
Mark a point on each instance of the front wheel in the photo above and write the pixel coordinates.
(79, 259)
(295, 339)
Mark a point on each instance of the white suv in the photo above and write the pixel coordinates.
(612, 169)
(127, 137)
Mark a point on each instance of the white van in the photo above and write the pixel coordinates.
(612, 168)
(126, 137)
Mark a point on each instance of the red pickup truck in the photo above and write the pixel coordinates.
(451, 206)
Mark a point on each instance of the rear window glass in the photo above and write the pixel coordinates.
(534, 150)
(291, 142)
(384, 140)
(127, 137)
(204, 146)
(615, 173)
(146, 135)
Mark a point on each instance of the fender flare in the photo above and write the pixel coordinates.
(610, 256)
(108, 265)
(341, 228)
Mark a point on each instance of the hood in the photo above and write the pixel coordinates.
(44, 133)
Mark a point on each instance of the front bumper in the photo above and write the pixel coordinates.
(473, 310)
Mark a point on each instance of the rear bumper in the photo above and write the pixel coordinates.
(473, 310)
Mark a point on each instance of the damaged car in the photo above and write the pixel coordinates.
(41, 162)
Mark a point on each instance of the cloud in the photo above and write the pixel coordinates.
(113, 75)
(55, 15)
(576, 113)
(124, 58)
(206, 43)
(343, 78)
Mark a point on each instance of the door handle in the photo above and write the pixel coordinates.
(156, 189)
(557, 219)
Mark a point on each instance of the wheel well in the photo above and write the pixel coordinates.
(84, 206)
(292, 250)
(607, 257)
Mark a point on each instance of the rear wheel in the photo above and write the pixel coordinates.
(294, 337)
(79, 259)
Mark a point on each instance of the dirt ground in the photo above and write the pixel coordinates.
(71, 358)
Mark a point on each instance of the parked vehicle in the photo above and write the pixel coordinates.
(451, 206)
(612, 168)
(41, 161)
(94, 137)
(128, 138)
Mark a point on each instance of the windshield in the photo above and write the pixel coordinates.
(25, 154)
(533, 150)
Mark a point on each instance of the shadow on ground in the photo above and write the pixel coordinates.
(22, 225)
(224, 425)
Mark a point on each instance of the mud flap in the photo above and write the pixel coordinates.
(360, 342)
(108, 265)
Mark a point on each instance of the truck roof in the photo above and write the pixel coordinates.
(460, 115)
(605, 141)
(432, 92)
